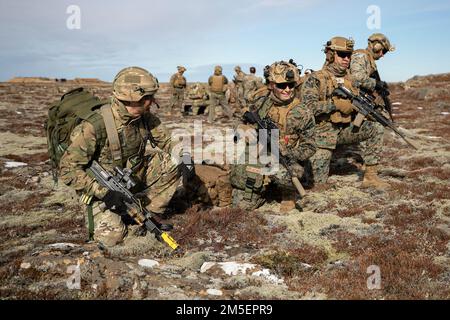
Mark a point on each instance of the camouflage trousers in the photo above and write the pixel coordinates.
(216, 100)
(249, 188)
(161, 177)
(177, 99)
(329, 135)
(240, 95)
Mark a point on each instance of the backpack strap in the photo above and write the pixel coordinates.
(113, 136)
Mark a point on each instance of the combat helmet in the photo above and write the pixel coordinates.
(281, 72)
(339, 44)
(380, 42)
(181, 68)
(237, 69)
(133, 83)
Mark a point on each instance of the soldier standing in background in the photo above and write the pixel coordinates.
(178, 83)
(238, 80)
(217, 88)
(251, 84)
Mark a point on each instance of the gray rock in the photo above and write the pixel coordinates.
(193, 261)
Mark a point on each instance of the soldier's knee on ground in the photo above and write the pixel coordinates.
(320, 165)
(240, 200)
(109, 228)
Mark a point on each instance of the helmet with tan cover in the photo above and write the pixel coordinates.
(181, 69)
(340, 44)
(379, 41)
(281, 72)
(133, 83)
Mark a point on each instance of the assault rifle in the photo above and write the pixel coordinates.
(384, 94)
(123, 182)
(368, 109)
(268, 124)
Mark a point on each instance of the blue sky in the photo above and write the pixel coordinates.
(159, 35)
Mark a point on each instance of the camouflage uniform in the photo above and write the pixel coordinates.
(178, 82)
(296, 124)
(217, 87)
(158, 175)
(251, 84)
(200, 99)
(238, 80)
(363, 67)
(332, 126)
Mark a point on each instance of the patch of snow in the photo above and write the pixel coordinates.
(14, 164)
(214, 292)
(396, 103)
(148, 263)
(265, 273)
(234, 268)
(445, 113)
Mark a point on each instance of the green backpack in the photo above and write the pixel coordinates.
(64, 115)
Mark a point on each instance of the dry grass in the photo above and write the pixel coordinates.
(224, 227)
(350, 212)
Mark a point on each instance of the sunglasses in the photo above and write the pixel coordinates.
(284, 85)
(342, 54)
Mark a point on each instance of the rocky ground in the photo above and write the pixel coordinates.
(334, 249)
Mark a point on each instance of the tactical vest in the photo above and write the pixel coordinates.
(126, 145)
(249, 177)
(196, 93)
(217, 84)
(328, 83)
(179, 81)
(279, 115)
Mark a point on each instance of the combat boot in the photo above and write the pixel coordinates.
(371, 179)
(288, 201)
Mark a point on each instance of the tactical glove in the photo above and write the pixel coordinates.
(381, 86)
(343, 105)
(296, 169)
(115, 201)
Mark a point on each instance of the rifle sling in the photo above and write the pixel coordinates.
(113, 136)
(90, 222)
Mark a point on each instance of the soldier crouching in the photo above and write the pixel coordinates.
(128, 115)
(296, 140)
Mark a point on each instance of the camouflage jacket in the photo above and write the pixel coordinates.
(239, 77)
(362, 65)
(252, 83)
(317, 91)
(317, 95)
(296, 124)
(133, 135)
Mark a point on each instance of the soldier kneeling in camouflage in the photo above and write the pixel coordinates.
(279, 105)
(335, 116)
(127, 117)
